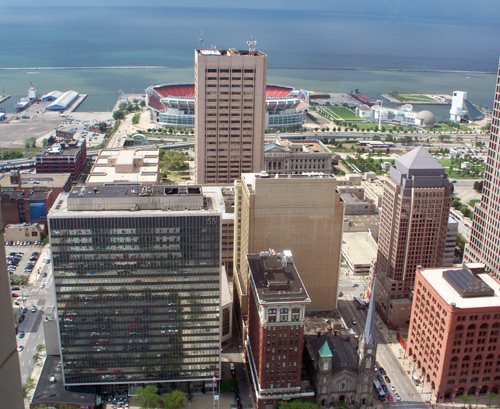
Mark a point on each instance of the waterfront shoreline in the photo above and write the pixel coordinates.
(167, 67)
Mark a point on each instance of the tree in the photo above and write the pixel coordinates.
(492, 397)
(102, 127)
(147, 397)
(45, 141)
(30, 143)
(11, 154)
(119, 114)
(465, 210)
(466, 399)
(174, 400)
(28, 386)
(298, 404)
(142, 103)
(40, 348)
(36, 358)
(456, 203)
(122, 106)
(478, 186)
(228, 385)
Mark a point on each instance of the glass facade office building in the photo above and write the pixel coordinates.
(137, 291)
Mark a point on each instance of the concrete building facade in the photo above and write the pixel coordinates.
(230, 114)
(276, 316)
(286, 157)
(484, 244)
(63, 157)
(454, 328)
(413, 230)
(137, 279)
(302, 213)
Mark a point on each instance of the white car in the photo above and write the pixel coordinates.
(393, 388)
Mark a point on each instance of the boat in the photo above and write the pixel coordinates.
(362, 98)
(25, 102)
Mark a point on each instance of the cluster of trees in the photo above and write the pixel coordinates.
(478, 186)
(126, 108)
(172, 161)
(11, 154)
(148, 398)
(464, 209)
(171, 130)
(30, 143)
(366, 165)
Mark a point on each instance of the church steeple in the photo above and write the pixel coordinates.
(369, 332)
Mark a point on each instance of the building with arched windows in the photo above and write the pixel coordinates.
(454, 331)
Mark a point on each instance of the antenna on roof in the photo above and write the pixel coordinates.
(201, 40)
(251, 45)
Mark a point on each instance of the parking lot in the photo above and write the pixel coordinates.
(22, 258)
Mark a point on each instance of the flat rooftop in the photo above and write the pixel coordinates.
(439, 279)
(360, 247)
(231, 51)
(275, 277)
(132, 199)
(49, 180)
(54, 392)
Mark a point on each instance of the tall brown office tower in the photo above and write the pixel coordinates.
(230, 102)
(484, 245)
(413, 228)
(302, 213)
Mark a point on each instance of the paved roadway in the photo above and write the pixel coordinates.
(32, 325)
(410, 397)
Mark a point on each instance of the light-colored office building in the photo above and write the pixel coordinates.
(413, 230)
(284, 156)
(125, 166)
(484, 245)
(302, 213)
(230, 114)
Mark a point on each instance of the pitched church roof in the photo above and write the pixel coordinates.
(324, 351)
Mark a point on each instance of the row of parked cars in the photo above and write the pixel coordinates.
(384, 377)
(23, 243)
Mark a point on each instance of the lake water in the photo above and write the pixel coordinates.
(320, 51)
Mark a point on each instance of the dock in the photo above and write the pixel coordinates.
(76, 104)
(4, 98)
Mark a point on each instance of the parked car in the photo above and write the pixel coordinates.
(20, 348)
(387, 379)
(382, 371)
(33, 309)
(21, 319)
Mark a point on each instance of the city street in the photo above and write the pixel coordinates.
(41, 298)
(386, 358)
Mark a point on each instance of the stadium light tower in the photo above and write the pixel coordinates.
(252, 42)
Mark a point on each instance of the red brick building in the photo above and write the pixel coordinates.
(63, 157)
(454, 338)
(276, 315)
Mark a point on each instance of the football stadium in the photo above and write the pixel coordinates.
(173, 105)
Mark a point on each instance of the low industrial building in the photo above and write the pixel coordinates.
(125, 166)
(25, 232)
(453, 335)
(286, 157)
(52, 392)
(64, 101)
(358, 250)
(354, 205)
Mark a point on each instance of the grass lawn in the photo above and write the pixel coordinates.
(473, 202)
(343, 113)
(443, 127)
(465, 128)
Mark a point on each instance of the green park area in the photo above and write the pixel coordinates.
(343, 113)
(454, 170)
(412, 97)
(369, 164)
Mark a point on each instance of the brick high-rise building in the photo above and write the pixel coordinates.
(413, 229)
(276, 318)
(484, 244)
(230, 114)
(454, 331)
